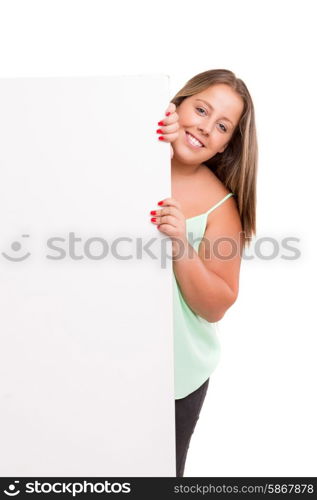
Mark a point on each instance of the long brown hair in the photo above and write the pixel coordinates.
(237, 165)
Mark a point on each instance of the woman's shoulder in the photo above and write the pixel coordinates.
(225, 216)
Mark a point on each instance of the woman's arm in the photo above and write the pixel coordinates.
(209, 279)
(206, 293)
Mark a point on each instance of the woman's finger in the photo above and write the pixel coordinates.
(166, 211)
(168, 137)
(168, 120)
(168, 129)
(170, 202)
(166, 219)
(170, 109)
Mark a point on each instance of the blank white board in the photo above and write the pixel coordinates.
(86, 344)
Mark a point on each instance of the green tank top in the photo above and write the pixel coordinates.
(196, 344)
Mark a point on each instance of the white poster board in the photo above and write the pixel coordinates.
(86, 344)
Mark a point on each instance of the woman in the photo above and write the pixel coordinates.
(210, 124)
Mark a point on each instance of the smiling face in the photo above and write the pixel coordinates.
(207, 121)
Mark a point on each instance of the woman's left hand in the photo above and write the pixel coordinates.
(169, 126)
(170, 219)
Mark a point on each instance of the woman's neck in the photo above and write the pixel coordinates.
(179, 169)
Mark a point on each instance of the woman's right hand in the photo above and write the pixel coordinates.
(169, 126)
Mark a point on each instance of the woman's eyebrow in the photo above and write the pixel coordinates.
(210, 107)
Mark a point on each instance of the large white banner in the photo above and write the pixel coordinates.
(86, 344)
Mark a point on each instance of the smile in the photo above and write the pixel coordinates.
(192, 141)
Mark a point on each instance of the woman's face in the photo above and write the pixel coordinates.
(211, 117)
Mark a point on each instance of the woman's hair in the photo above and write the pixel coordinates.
(237, 165)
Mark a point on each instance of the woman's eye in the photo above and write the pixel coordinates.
(200, 109)
(224, 129)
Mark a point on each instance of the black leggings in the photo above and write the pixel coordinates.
(186, 415)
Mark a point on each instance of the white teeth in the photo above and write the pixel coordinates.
(194, 141)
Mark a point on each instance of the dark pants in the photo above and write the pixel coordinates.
(186, 415)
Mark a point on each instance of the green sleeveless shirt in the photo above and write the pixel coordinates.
(196, 344)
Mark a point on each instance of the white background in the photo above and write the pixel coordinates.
(260, 412)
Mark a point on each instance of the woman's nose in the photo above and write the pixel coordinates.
(206, 128)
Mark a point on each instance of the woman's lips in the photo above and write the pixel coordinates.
(195, 146)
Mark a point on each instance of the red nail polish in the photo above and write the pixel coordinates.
(160, 123)
(168, 113)
(153, 212)
(159, 131)
(153, 219)
(161, 138)
(160, 203)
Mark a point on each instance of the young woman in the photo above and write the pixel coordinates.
(210, 124)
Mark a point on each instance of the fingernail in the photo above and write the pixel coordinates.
(153, 219)
(160, 203)
(159, 131)
(153, 212)
(168, 113)
(161, 138)
(160, 123)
